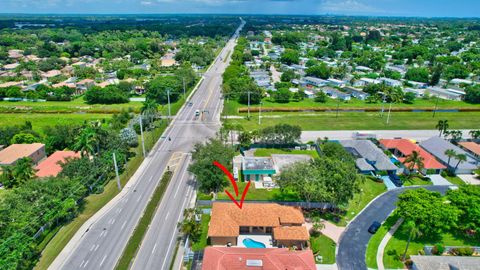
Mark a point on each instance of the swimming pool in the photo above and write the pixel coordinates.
(250, 243)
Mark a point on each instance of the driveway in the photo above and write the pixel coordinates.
(438, 180)
(353, 243)
(470, 179)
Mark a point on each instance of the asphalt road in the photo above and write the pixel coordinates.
(101, 245)
(354, 241)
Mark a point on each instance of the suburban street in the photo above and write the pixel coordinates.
(101, 241)
(354, 241)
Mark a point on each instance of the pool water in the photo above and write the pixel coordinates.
(250, 243)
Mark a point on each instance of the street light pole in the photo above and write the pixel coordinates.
(141, 134)
(169, 111)
(338, 106)
(119, 185)
(248, 93)
(183, 79)
(436, 106)
(389, 110)
(260, 114)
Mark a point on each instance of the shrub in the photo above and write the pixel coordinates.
(438, 249)
(465, 251)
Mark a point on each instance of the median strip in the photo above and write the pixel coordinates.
(141, 229)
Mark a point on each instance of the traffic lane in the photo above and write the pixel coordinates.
(353, 243)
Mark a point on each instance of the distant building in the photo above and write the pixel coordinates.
(449, 94)
(336, 83)
(437, 147)
(390, 82)
(444, 262)
(229, 258)
(51, 166)
(471, 147)
(369, 158)
(256, 168)
(314, 81)
(459, 82)
(365, 81)
(335, 93)
(356, 93)
(14, 152)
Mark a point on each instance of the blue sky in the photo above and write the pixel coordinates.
(423, 8)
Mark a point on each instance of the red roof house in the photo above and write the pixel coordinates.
(403, 147)
(51, 166)
(229, 258)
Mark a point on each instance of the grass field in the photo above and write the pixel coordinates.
(361, 120)
(232, 107)
(202, 242)
(396, 246)
(266, 152)
(455, 180)
(41, 120)
(142, 226)
(94, 202)
(372, 248)
(416, 181)
(325, 247)
(259, 194)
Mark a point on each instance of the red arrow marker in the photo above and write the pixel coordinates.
(235, 187)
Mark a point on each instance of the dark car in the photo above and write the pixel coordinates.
(374, 227)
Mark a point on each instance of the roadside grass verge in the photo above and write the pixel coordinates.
(266, 152)
(372, 248)
(396, 246)
(41, 120)
(361, 120)
(95, 202)
(203, 241)
(323, 246)
(455, 180)
(137, 236)
(416, 181)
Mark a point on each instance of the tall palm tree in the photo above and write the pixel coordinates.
(85, 142)
(150, 108)
(23, 170)
(414, 160)
(461, 158)
(414, 232)
(442, 126)
(450, 153)
(475, 134)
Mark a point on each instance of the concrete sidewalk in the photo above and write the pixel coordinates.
(383, 244)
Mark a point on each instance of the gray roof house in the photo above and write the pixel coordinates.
(336, 94)
(437, 147)
(369, 158)
(444, 262)
(355, 92)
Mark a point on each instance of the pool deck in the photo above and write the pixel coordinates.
(263, 238)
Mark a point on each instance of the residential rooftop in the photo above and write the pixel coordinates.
(406, 147)
(15, 152)
(471, 146)
(51, 166)
(372, 155)
(257, 163)
(437, 147)
(445, 262)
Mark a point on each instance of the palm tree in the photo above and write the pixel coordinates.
(85, 142)
(414, 233)
(23, 170)
(442, 126)
(317, 224)
(475, 134)
(461, 158)
(150, 108)
(414, 160)
(450, 153)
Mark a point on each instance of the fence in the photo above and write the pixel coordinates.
(428, 249)
(310, 205)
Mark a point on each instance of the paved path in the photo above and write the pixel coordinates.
(470, 179)
(353, 243)
(418, 135)
(330, 230)
(438, 180)
(383, 244)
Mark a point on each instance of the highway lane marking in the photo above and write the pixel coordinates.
(102, 233)
(82, 263)
(93, 246)
(112, 220)
(119, 210)
(103, 260)
(123, 225)
(154, 247)
(150, 179)
(166, 217)
(97, 247)
(85, 265)
(183, 174)
(139, 197)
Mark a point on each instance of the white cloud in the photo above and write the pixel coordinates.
(347, 6)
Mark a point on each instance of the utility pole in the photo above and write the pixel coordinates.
(141, 134)
(260, 114)
(389, 110)
(116, 171)
(338, 106)
(436, 106)
(248, 93)
(169, 112)
(383, 105)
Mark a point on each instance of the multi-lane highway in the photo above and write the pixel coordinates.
(101, 241)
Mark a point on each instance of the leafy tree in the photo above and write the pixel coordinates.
(24, 138)
(409, 98)
(157, 89)
(321, 97)
(467, 200)
(417, 75)
(189, 225)
(475, 133)
(280, 134)
(209, 177)
(455, 71)
(290, 56)
(374, 36)
(108, 95)
(282, 95)
(129, 136)
(287, 76)
(60, 137)
(85, 142)
(473, 94)
(320, 71)
(436, 75)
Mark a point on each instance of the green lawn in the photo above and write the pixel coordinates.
(396, 246)
(232, 107)
(41, 120)
(361, 120)
(455, 180)
(202, 242)
(259, 194)
(372, 248)
(416, 181)
(323, 246)
(266, 152)
(368, 191)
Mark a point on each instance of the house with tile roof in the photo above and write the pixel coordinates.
(224, 258)
(402, 148)
(444, 262)
(285, 224)
(52, 165)
(14, 152)
(368, 157)
(471, 147)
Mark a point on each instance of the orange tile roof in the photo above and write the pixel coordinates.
(51, 165)
(471, 146)
(229, 258)
(14, 152)
(291, 233)
(227, 217)
(406, 147)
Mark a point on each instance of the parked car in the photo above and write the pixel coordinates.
(374, 227)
